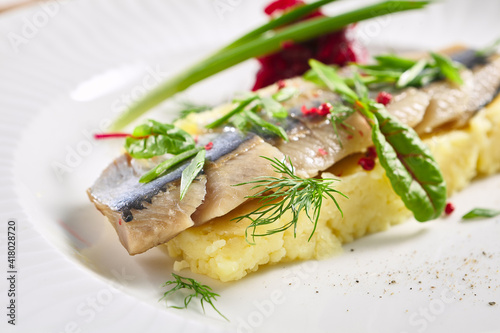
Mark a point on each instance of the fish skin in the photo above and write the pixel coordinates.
(157, 215)
(243, 164)
(149, 227)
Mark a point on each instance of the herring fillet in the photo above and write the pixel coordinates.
(146, 215)
(224, 173)
(157, 213)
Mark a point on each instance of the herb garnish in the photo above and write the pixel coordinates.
(246, 112)
(481, 212)
(414, 174)
(259, 42)
(189, 108)
(403, 72)
(199, 290)
(288, 193)
(155, 139)
(192, 170)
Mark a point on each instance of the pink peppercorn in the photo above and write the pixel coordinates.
(209, 145)
(366, 163)
(450, 208)
(384, 97)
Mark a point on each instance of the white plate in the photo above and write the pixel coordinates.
(68, 66)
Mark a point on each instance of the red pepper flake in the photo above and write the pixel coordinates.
(384, 97)
(209, 145)
(361, 133)
(366, 163)
(120, 221)
(308, 112)
(450, 208)
(371, 152)
(324, 109)
(349, 137)
(322, 152)
(281, 84)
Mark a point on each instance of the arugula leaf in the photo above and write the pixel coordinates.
(154, 139)
(481, 212)
(166, 165)
(414, 174)
(192, 170)
(447, 67)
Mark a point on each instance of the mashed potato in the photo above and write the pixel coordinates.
(219, 249)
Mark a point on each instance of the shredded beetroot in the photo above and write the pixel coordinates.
(384, 97)
(209, 145)
(281, 5)
(450, 208)
(293, 60)
(366, 163)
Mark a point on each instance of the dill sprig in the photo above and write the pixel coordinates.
(287, 193)
(199, 290)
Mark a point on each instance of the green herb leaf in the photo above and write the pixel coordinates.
(285, 94)
(192, 170)
(394, 61)
(199, 290)
(414, 174)
(273, 108)
(332, 80)
(166, 165)
(258, 121)
(447, 67)
(154, 139)
(287, 193)
(411, 74)
(481, 212)
(239, 108)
